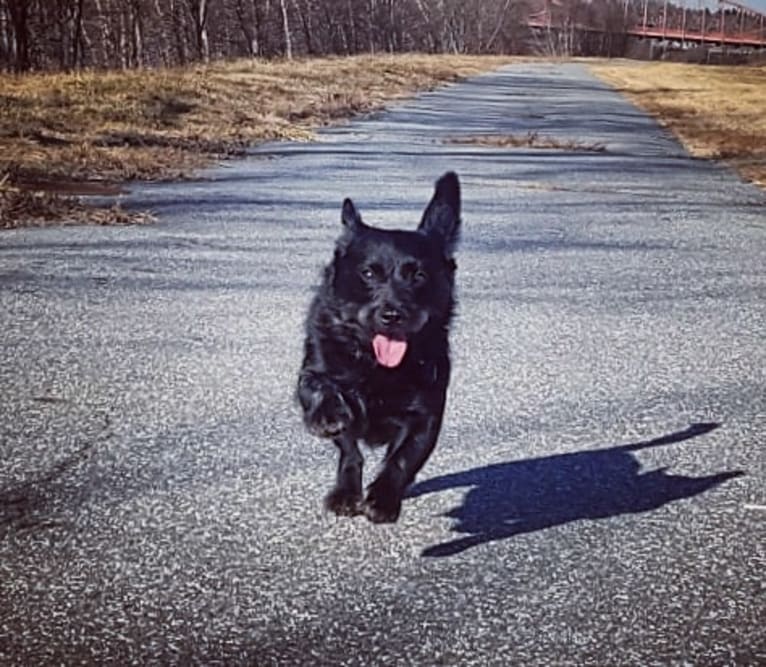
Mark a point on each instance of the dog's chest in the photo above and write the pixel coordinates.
(388, 408)
(397, 392)
(397, 399)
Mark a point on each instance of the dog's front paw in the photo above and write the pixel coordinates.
(330, 416)
(343, 502)
(383, 503)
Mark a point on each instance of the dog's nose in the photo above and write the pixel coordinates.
(390, 315)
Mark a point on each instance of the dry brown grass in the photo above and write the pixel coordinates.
(161, 124)
(528, 140)
(717, 112)
(34, 207)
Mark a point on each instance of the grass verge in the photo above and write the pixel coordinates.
(62, 133)
(717, 112)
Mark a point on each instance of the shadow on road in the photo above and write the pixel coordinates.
(508, 499)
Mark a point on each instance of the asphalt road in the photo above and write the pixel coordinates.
(597, 495)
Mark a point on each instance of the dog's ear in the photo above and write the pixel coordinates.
(350, 217)
(441, 218)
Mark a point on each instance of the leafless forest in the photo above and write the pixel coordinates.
(43, 35)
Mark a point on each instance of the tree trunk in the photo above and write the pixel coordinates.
(251, 41)
(286, 28)
(123, 52)
(19, 11)
(304, 16)
(164, 45)
(371, 26)
(137, 34)
(179, 30)
(352, 45)
(198, 13)
(498, 27)
(204, 42)
(77, 40)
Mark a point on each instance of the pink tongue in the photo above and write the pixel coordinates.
(388, 352)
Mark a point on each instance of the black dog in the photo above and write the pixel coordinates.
(376, 364)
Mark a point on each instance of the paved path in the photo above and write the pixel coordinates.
(598, 493)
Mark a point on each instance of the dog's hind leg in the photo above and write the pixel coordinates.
(346, 497)
(404, 459)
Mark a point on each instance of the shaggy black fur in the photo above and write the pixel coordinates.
(376, 364)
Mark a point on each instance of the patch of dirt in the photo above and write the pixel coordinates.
(48, 203)
(528, 140)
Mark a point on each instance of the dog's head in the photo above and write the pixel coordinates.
(391, 284)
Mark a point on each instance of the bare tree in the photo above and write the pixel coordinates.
(248, 24)
(136, 34)
(198, 14)
(286, 29)
(18, 10)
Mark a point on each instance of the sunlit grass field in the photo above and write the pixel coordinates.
(717, 112)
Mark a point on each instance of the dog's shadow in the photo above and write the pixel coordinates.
(508, 499)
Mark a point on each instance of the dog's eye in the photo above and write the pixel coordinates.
(413, 273)
(371, 272)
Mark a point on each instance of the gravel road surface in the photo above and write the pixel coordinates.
(598, 495)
